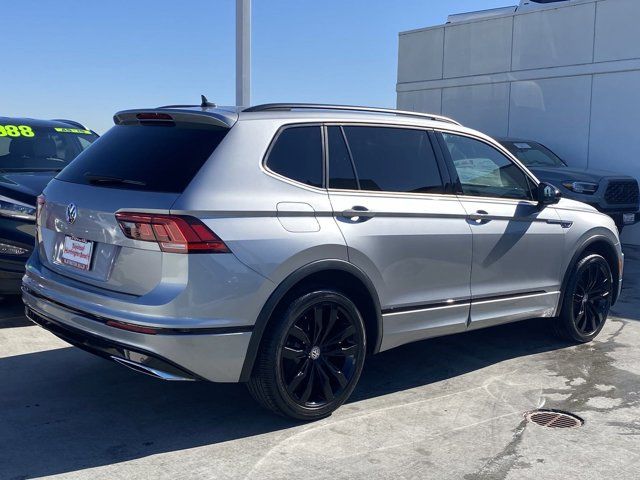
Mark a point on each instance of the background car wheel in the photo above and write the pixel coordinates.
(311, 356)
(587, 300)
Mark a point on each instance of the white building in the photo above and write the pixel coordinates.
(565, 73)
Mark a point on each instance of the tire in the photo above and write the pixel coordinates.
(587, 300)
(307, 378)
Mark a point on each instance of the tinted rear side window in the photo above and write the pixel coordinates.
(297, 154)
(341, 174)
(394, 159)
(155, 158)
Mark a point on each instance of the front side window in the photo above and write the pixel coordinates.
(485, 172)
(393, 159)
(297, 154)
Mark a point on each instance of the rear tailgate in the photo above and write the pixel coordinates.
(115, 262)
(142, 164)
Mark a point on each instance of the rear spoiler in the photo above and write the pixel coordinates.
(217, 117)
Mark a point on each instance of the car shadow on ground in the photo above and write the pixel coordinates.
(65, 410)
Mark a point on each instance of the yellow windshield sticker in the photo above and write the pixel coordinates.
(16, 131)
(73, 130)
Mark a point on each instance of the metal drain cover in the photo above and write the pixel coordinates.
(554, 419)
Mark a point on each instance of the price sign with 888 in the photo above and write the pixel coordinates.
(16, 131)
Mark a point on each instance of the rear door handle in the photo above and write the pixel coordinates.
(357, 213)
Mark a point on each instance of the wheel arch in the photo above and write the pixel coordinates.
(337, 274)
(600, 245)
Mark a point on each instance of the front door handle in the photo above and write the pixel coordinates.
(480, 217)
(357, 214)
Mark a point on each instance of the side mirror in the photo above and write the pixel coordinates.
(548, 194)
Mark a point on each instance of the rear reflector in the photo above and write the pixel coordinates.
(132, 328)
(173, 233)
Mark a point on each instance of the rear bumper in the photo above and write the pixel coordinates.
(134, 358)
(183, 355)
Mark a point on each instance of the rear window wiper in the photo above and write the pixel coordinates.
(108, 180)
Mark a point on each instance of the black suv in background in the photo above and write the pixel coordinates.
(32, 152)
(611, 193)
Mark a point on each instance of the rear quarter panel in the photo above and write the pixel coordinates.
(272, 225)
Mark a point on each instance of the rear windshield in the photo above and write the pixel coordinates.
(159, 158)
(25, 147)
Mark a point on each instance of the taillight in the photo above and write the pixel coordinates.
(173, 233)
(39, 207)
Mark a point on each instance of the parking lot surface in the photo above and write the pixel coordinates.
(444, 408)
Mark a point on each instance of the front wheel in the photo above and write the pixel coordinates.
(311, 356)
(587, 300)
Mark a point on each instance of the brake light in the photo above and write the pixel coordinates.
(153, 116)
(173, 233)
(39, 207)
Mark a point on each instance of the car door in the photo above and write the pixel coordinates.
(517, 245)
(411, 239)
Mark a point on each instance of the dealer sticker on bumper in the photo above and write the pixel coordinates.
(628, 218)
(76, 252)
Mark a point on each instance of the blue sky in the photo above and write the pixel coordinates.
(86, 60)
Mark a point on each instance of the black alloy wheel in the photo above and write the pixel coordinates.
(592, 298)
(587, 300)
(311, 356)
(319, 355)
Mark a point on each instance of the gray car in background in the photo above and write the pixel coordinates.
(280, 244)
(612, 193)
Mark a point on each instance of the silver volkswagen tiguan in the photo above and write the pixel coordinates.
(280, 244)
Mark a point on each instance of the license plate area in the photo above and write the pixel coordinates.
(77, 252)
(628, 218)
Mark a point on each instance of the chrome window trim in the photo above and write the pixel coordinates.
(341, 124)
(336, 191)
(408, 195)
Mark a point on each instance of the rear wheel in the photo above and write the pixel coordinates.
(311, 358)
(587, 300)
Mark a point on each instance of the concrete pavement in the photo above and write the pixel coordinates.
(447, 408)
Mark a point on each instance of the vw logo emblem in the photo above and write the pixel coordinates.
(72, 212)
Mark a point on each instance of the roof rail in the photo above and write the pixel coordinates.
(270, 107)
(70, 122)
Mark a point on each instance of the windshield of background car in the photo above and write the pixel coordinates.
(534, 155)
(25, 147)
